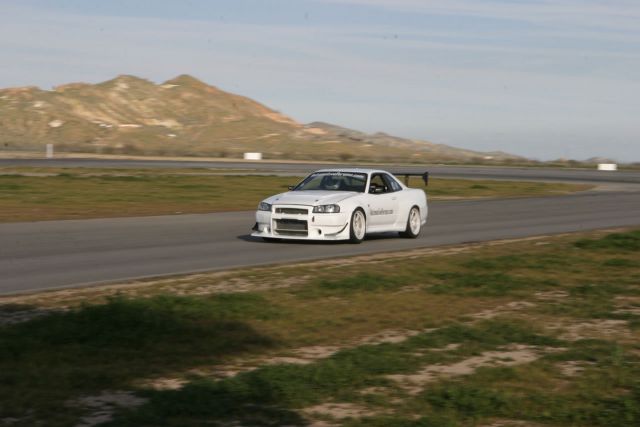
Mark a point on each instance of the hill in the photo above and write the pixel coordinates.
(187, 117)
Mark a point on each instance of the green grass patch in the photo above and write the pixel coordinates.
(281, 388)
(605, 394)
(524, 261)
(619, 262)
(361, 282)
(485, 284)
(614, 241)
(461, 188)
(44, 362)
(76, 195)
(386, 421)
(93, 193)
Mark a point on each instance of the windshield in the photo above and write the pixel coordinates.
(334, 181)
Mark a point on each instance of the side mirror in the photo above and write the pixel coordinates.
(376, 190)
(291, 187)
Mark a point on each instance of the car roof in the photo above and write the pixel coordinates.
(351, 170)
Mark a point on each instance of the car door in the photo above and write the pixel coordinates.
(382, 203)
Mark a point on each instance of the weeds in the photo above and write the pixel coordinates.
(615, 241)
(484, 284)
(361, 282)
(619, 262)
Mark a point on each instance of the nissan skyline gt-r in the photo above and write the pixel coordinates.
(343, 204)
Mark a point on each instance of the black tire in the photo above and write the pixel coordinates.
(357, 226)
(414, 228)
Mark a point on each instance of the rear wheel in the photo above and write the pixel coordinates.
(358, 227)
(414, 224)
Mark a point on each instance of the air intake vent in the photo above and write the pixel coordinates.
(291, 227)
(292, 211)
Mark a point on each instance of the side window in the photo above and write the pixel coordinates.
(392, 184)
(378, 185)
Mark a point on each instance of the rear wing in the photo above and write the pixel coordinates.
(406, 175)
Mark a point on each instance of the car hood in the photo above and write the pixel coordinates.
(310, 198)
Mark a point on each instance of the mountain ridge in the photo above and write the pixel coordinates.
(186, 116)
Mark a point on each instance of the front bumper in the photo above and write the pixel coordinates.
(300, 223)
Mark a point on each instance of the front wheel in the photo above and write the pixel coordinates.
(414, 224)
(358, 227)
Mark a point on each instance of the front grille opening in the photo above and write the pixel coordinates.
(291, 227)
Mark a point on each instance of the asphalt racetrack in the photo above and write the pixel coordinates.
(53, 254)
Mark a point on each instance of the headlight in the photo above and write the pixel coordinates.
(264, 207)
(326, 209)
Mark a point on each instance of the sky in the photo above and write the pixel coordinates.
(545, 79)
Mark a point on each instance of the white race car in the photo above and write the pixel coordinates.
(343, 204)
